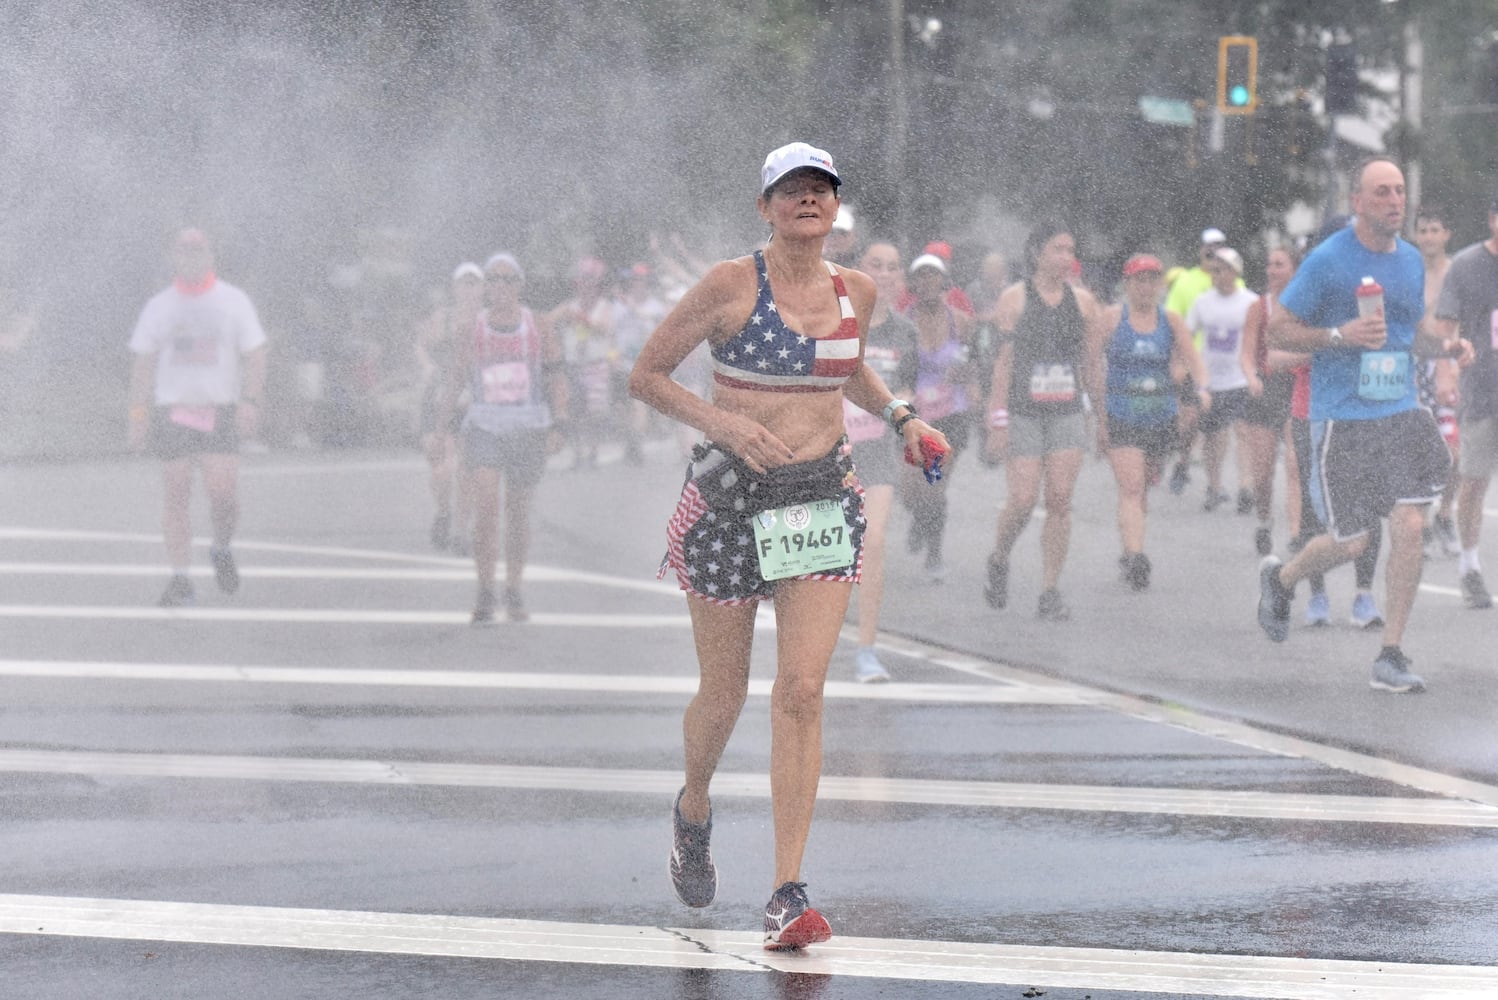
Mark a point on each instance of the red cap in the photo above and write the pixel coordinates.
(1140, 263)
(941, 249)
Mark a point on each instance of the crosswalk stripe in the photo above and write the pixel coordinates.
(621, 781)
(341, 616)
(504, 939)
(999, 693)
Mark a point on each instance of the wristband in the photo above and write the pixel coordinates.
(900, 424)
(892, 406)
(998, 419)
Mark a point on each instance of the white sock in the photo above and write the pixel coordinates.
(1469, 562)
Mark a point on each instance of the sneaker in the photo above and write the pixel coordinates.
(1391, 672)
(178, 593)
(866, 667)
(936, 570)
(1137, 573)
(1318, 610)
(790, 922)
(515, 607)
(441, 529)
(1245, 502)
(996, 590)
(1365, 612)
(225, 573)
(483, 609)
(1215, 499)
(1180, 476)
(1475, 592)
(1274, 601)
(1263, 541)
(1445, 532)
(693, 874)
(1052, 608)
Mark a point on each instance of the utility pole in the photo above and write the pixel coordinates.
(1412, 98)
(898, 126)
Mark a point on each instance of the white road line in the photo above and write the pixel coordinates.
(500, 939)
(1240, 733)
(341, 616)
(1002, 693)
(621, 781)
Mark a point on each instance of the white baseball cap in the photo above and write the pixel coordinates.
(1213, 236)
(843, 222)
(1230, 257)
(928, 260)
(796, 156)
(468, 269)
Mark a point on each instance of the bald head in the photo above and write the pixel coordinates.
(1378, 201)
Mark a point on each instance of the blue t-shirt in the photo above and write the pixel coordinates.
(1322, 294)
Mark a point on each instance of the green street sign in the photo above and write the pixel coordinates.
(1167, 111)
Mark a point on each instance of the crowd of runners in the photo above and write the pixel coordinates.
(832, 377)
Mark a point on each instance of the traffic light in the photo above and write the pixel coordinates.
(1341, 79)
(1237, 74)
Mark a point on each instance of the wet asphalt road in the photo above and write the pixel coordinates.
(980, 818)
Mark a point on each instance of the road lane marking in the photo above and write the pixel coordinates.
(1242, 734)
(622, 781)
(1001, 693)
(506, 939)
(343, 616)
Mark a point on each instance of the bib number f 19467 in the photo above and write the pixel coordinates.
(802, 539)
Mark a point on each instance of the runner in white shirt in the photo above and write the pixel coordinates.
(195, 388)
(1218, 317)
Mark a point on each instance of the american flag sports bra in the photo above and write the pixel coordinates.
(769, 356)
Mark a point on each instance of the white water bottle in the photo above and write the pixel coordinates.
(1370, 295)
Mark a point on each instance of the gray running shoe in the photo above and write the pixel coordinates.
(996, 591)
(178, 593)
(483, 609)
(693, 874)
(1475, 592)
(1051, 607)
(1136, 571)
(515, 607)
(790, 922)
(1391, 672)
(225, 573)
(1263, 541)
(1274, 601)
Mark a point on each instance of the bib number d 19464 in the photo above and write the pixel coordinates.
(1384, 375)
(801, 539)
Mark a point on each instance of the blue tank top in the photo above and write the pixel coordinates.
(769, 356)
(1139, 385)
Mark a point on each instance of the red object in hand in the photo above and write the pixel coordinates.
(932, 453)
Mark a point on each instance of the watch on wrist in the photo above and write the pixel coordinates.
(1336, 335)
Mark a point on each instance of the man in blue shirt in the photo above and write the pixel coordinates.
(1375, 452)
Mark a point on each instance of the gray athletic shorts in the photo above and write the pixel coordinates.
(1479, 447)
(1037, 437)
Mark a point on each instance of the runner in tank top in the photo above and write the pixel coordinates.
(786, 330)
(1145, 347)
(945, 390)
(1035, 414)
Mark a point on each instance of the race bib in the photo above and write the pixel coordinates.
(1147, 397)
(1222, 339)
(801, 539)
(197, 418)
(507, 383)
(195, 352)
(936, 401)
(862, 425)
(1053, 384)
(1384, 375)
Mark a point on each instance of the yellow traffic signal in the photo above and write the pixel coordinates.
(1237, 74)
